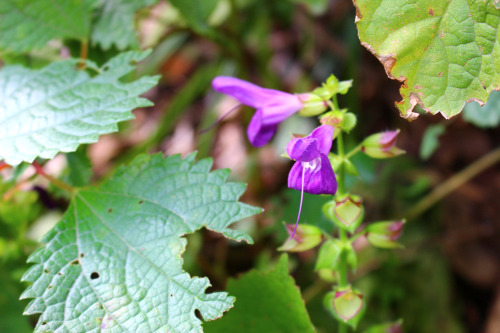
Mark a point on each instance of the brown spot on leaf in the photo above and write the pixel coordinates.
(431, 12)
(418, 87)
(440, 74)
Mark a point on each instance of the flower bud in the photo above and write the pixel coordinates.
(396, 327)
(328, 255)
(312, 104)
(340, 119)
(381, 145)
(346, 303)
(306, 237)
(346, 211)
(384, 234)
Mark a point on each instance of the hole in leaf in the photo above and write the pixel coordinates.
(171, 295)
(60, 273)
(100, 306)
(94, 275)
(46, 271)
(82, 255)
(50, 286)
(110, 210)
(198, 315)
(75, 262)
(44, 323)
(140, 202)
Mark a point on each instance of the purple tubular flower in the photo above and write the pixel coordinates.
(273, 106)
(312, 173)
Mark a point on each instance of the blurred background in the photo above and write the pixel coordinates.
(446, 279)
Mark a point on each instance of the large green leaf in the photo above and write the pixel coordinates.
(29, 24)
(115, 23)
(43, 112)
(445, 51)
(267, 302)
(113, 264)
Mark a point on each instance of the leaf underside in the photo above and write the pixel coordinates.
(113, 263)
(445, 51)
(59, 107)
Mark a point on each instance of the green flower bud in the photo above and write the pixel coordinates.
(346, 303)
(328, 255)
(313, 104)
(346, 212)
(381, 145)
(384, 234)
(306, 237)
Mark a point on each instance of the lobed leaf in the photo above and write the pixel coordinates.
(113, 263)
(59, 107)
(446, 52)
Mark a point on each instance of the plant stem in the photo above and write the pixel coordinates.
(454, 182)
(56, 182)
(342, 268)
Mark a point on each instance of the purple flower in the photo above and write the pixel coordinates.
(273, 106)
(312, 173)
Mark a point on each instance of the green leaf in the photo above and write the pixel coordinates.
(113, 263)
(115, 23)
(43, 112)
(11, 319)
(445, 51)
(430, 140)
(79, 168)
(26, 25)
(196, 13)
(485, 116)
(266, 302)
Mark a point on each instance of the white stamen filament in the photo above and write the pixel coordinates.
(301, 200)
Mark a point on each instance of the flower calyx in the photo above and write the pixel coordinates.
(305, 238)
(381, 145)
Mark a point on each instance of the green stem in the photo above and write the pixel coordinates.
(454, 182)
(62, 185)
(354, 151)
(342, 268)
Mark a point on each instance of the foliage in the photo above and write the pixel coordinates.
(59, 107)
(266, 302)
(445, 52)
(115, 255)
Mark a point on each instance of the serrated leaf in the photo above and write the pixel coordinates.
(485, 116)
(113, 263)
(59, 107)
(115, 23)
(445, 51)
(26, 25)
(266, 302)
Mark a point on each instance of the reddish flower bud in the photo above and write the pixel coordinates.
(381, 145)
(384, 234)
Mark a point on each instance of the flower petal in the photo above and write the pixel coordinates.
(251, 94)
(259, 134)
(318, 176)
(303, 149)
(324, 135)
